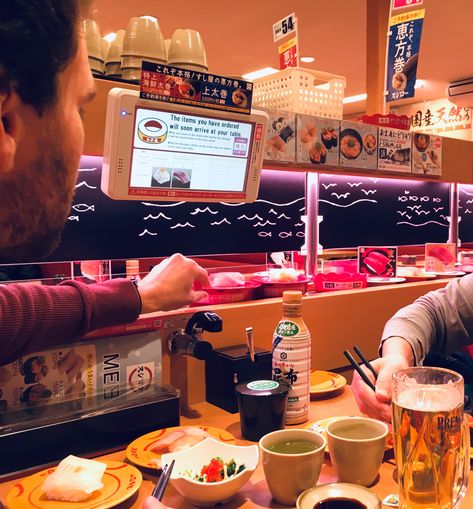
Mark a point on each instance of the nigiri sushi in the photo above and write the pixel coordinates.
(179, 440)
(74, 480)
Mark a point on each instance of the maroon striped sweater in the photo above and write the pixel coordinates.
(38, 317)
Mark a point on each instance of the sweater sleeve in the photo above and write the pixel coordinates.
(440, 321)
(38, 317)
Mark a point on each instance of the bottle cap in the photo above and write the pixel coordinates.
(291, 297)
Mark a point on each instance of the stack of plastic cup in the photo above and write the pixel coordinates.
(143, 40)
(186, 49)
(113, 60)
(94, 46)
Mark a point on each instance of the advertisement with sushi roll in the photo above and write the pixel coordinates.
(394, 150)
(358, 145)
(111, 367)
(317, 140)
(380, 261)
(281, 136)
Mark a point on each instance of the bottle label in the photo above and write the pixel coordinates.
(263, 385)
(287, 329)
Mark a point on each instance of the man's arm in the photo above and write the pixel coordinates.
(440, 321)
(38, 317)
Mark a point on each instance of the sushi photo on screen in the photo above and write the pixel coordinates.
(181, 178)
(161, 177)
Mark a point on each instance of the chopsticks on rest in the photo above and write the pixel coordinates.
(358, 369)
(158, 490)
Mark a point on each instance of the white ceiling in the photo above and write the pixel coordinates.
(238, 35)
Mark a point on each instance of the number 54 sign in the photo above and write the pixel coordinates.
(284, 27)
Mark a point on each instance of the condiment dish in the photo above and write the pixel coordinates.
(194, 458)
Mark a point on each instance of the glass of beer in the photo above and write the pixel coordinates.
(431, 438)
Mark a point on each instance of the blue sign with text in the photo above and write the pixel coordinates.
(403, 54)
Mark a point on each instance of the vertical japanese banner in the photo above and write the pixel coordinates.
(288, 54)
(403, 53)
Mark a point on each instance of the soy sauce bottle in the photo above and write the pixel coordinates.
(291, 357)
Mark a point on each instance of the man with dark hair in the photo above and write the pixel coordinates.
(45, 84)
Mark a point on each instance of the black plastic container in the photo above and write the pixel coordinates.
(262, 405)
(229, 366)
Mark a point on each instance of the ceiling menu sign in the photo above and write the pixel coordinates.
(436, 116)
(404, 4)
(405, 32)
(284, 27)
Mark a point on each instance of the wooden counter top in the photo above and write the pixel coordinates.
(255, 493)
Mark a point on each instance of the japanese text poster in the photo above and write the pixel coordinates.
(394, 150)
(184, 86)
(403, 53)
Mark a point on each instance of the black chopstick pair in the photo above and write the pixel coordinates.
(358, 369)
(163, 480)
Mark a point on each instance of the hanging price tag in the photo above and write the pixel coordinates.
(284, 27)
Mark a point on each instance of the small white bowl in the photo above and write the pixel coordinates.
(194, 458)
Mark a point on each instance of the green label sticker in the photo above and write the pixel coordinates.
(263, 385)
(287, 329)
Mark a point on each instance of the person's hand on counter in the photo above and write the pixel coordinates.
(153, 503)
(397, 354)
(170, 284)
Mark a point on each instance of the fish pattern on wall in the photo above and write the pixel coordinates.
(101, 228)
(369, 210)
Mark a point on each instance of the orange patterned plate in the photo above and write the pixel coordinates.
(139, 451)
(325, 382)
(120, 482)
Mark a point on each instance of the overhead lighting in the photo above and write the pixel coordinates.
(307, 60)
(354, 98)
(419, 84)
(260, 73)
(110, 37)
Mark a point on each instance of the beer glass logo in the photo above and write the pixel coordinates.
(446, 423)
(152, 130)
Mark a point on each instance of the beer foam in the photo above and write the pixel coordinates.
(430, 399)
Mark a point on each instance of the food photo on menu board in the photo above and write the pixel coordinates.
(440, 257)
(427, 154)
(281, 136)
(358, 145)
(380, 261)
(394, 150)
(317, 140)
(184, 143)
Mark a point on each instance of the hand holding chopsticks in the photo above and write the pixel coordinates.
(158, 490)
(358, 369)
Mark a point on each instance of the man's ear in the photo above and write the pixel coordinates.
(9, 130)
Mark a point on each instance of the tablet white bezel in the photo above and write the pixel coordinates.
(118, 151)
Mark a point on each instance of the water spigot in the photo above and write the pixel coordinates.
(189, 341)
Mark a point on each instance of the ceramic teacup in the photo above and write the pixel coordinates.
(289, 474)
(356, 446)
